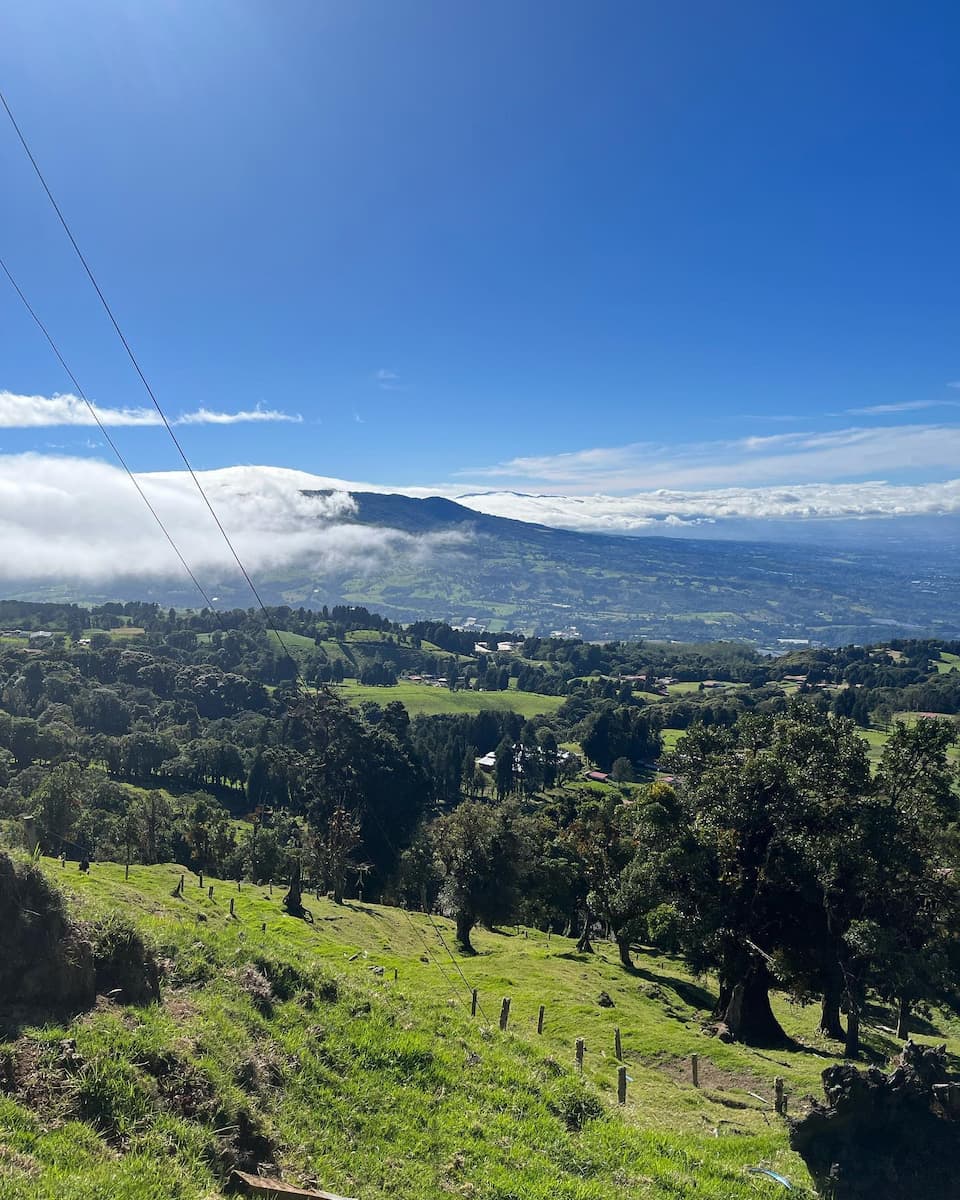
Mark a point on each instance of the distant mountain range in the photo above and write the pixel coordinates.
(468, 567)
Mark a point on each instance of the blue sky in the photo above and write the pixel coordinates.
(551, 247)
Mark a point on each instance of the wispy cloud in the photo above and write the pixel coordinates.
(389, 381)
(36, 412)
(204, 416)
(906, 406)
(798, 457)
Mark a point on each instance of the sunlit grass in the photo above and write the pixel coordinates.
(385, 1087)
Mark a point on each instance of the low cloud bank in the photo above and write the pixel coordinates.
(666, 509)
(73, 518)
(81, 519)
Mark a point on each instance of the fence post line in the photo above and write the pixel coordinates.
(473, 1003)
(504, 1012)
(695, 1069)
(617, 1045)
(580, 1047)
(621, 1085)
(540, 1018)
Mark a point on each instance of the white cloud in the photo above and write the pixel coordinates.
(74, 518)
(796, 457)
(204, 416)
(34, 412)
(389, 381)
(665, 507)
(80, 519)
(907, 406)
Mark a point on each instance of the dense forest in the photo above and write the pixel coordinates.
(795, 836)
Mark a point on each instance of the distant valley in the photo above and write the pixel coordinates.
(466, 567)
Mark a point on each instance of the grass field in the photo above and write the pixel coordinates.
(374, 1087)
(422, 698)
(291, 641)
(670, 738)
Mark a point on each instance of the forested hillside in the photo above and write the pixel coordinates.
(142, 735)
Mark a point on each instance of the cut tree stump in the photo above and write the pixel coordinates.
(263, 1185)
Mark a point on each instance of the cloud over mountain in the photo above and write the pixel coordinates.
(74, 518)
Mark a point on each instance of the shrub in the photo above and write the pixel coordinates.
(663, 928)
(570, 1100)
(125, 966)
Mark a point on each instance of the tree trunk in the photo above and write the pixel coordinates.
(830, 1025)
(851, 1043)
(744, 1008)
(293, 900)
(584, 945)
(623, 945)
(903, 1018)
(851, 994)
(464, 925)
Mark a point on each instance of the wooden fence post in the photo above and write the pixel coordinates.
(540, 1018)
(504, 1012)
(617, 1045)
(473, 1003)
(394, 974)
(180, 885)
(232, 913)
(201, 878)
(621, 1085)
(695, 1069)
(210, 891)
(581, 1046)
(780, 1099)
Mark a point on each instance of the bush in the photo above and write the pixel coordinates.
(663, 928)
(570, 1100)
(126, 968)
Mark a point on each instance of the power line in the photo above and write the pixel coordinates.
(139, 370)
(112, 444)
(436, 929)
(166, 424)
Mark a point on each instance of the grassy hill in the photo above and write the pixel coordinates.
(281, 1039)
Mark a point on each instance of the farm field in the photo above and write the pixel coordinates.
(420, 698)
(381, 1087)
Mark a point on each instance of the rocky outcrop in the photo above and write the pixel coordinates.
(46, 961)
(894, 1135)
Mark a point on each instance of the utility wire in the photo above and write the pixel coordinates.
(112, 444)
(139, 370)
(436, 927)
(176, 441)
